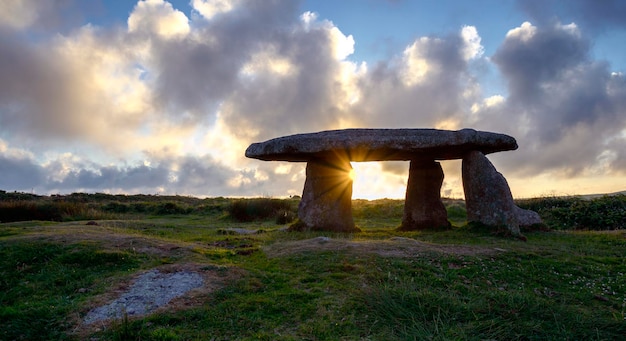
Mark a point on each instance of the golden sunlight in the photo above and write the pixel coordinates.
(371, 182)
(352, 174)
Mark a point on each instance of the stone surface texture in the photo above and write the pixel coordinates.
(488, 199)
(326, 203)
(423, 208)
(381, 145)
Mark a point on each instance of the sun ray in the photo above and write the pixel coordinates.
(352, 174)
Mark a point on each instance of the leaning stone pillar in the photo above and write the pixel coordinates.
(488, 198)
(423, 207)
(326, 203)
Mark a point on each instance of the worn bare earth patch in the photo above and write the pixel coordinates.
(169, 288)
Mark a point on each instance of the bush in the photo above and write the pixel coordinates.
(285, 216)
(171, 208)
(116, 207)
(41, 210)
(603, 213)
(245, 210)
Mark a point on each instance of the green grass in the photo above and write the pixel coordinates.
(559, 285)
(41, 284)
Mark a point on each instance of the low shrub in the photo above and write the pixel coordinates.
(116, 207)
(245, 210)
(284, 216)
(171, 208)
(602, 213)
(42, 210)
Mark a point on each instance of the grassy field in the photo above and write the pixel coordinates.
(565, 283)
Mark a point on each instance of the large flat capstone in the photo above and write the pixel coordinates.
(381, 145)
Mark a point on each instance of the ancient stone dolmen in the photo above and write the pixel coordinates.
(327, 196)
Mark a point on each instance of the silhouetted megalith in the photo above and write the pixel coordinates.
(488, 198)
(326, 202)
(326, 199)
(423, 207)
(380, 145)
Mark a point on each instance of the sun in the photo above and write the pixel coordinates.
(351, 174)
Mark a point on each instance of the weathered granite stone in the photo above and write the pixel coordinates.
(488, 198)
(381, 145)
(326, 203)
(423, 208)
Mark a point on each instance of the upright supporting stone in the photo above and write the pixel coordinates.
(326, 203)
(423, 207)
(488, 197)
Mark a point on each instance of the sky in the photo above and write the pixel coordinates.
(158, 97)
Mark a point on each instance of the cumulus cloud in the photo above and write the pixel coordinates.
(158, 17)
(79, 88)
(170, 102)
(210, 8)
(429, 85)
(566, 109)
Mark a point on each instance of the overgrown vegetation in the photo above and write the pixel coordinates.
(564, 284)
(246, 210)
(559, 213)
(83, 206)
(563, 213)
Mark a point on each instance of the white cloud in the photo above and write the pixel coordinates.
(418, 66)
(158, 17)
(308, 18)
(473, 49)
(210, 8)
(342, 46)
(283, 169)
(523, 33)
